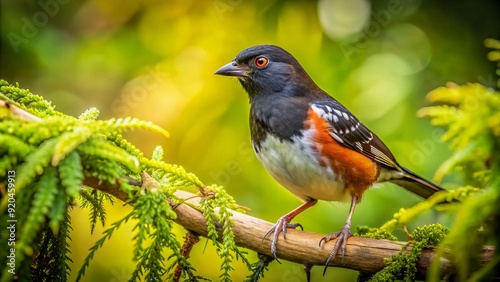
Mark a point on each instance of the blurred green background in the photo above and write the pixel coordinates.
(155, 60)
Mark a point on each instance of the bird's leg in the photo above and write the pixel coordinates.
(342, 235)
(284, 223)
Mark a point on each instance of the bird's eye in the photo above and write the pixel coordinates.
(261, 61)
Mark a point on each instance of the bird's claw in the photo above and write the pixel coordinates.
(280, 227)
(342, 235)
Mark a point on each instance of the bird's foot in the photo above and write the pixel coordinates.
(342, 235)
(280, 227)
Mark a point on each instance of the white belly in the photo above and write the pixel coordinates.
(299, 170)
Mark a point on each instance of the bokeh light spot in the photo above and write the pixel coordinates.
(382, 85)
(343, 18)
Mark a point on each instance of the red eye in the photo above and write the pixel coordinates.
(261, 61)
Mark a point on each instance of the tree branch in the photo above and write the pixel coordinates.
(361, 254)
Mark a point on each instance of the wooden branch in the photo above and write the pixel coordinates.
(16, 111)
(362, 254)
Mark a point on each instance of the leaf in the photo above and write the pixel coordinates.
(71, 174)
(68, 142)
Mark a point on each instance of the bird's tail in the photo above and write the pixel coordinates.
(416, 184)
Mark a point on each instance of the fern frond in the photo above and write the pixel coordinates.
(151, 261)
(258, 268)
(404, 216)
(154, 213)
(35, 163)
(58, 211)
(102, 169)
(13, 146)
(123, 143)
(52, 261)
(176, 175)
(89, 114)
(14, 150)
(157, 154)
(94, 201)
(107, 235)
(39, 263)
(43, 200)
(71, 174)
(68, 141)
(34, 133)
(224, 202)
(102, 149)
(128, 124)
(59, 268)
(28, 101)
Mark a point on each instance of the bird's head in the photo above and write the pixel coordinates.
(267, 70)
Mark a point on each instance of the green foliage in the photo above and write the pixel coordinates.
(71, 172)
(258, 268)
(25, 99)
(107, 235)
(374, 233)
(402, 267)
(227, 250)
(176, 175)
(53, 156)
(471, 114)
(52, 261)
(94, 201)
(154, 223)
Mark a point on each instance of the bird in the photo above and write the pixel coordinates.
(310, 143)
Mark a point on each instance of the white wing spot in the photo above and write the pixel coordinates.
(358, 145)
(335, 118)
(339, 113)
(318, 111)
(328, 108)
(345, 116)
(353, 128)
(336, 137)
(346, 131)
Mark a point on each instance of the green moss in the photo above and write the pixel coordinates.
(403, 265)
(374, 233)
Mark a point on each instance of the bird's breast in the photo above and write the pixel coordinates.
(296, 164)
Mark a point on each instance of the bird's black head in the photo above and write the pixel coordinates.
(267, 70)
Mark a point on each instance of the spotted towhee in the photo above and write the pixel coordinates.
(309, 142)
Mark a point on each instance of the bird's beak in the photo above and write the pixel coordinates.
(233, 69)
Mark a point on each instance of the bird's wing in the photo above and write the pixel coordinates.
(351, 133)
